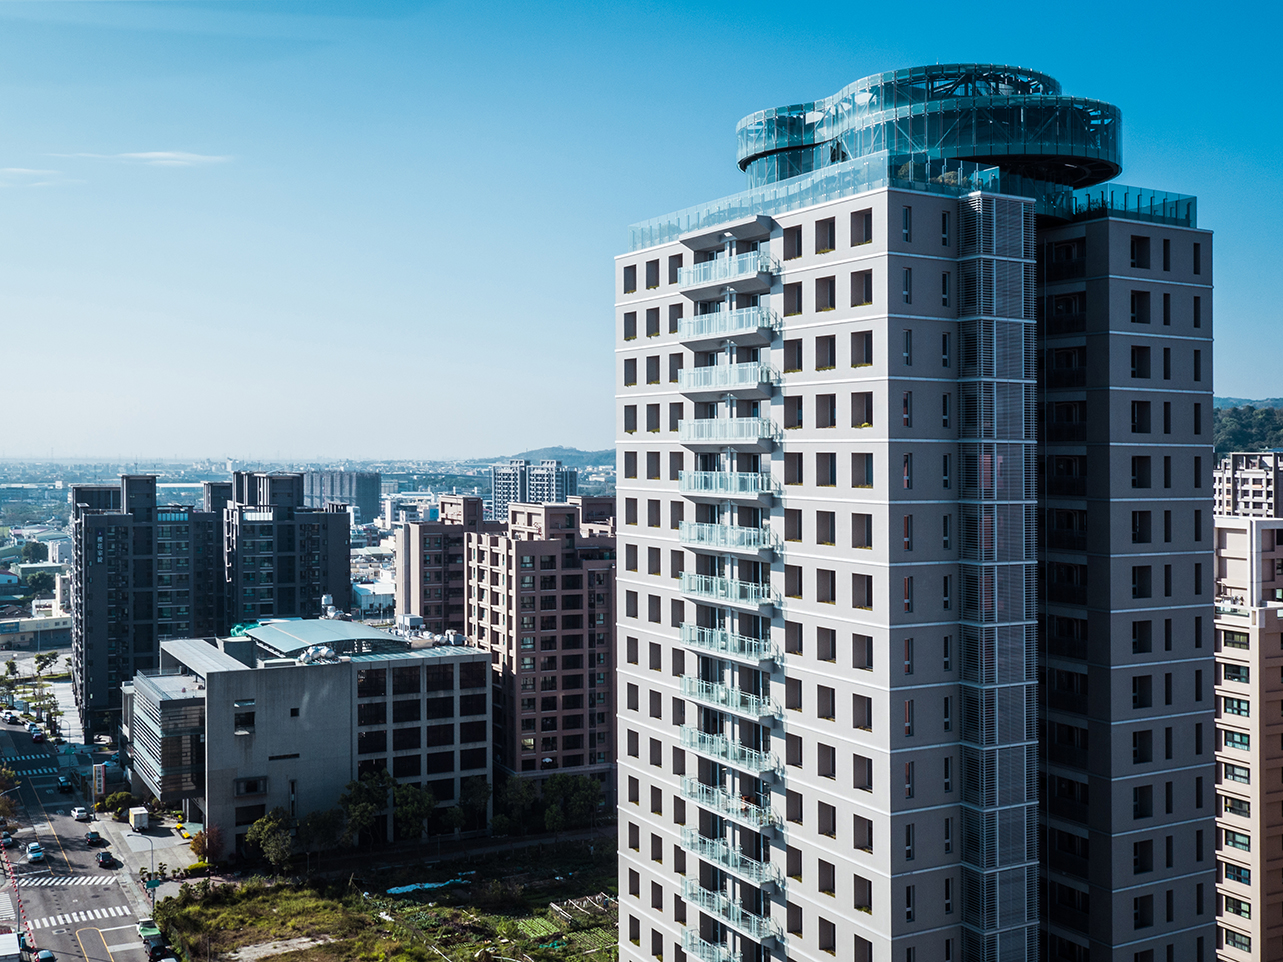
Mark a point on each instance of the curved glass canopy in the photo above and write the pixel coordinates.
(1009, 117)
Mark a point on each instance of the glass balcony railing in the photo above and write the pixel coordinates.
(733, 753)
(727, 483)
(729, 911)
(722, 642)
(732, 699)
(732, 806)
(727, 323)
(727, 430)
(727, 269)
(727, 589)
(703, 951)
(725, 536)
(719, 852)
(727, 377)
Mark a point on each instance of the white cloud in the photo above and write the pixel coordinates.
(30, 177)
(158, 158)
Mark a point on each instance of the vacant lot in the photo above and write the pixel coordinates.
(536, 905)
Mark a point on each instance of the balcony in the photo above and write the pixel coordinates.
(752, 380)
(732, 699)
(744, 433)
(703, 951)
(743, 273)
(725, 750)
(719, 641)
(1067, 432)
(747, 327)
(757, 927)
(725, 537)
(750, 594)
(1074, 323)
(725, 484)
(719, 852)
(731, 806)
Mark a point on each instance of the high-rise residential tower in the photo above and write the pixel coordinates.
(879, 417)
(360, 488)
(519, 480)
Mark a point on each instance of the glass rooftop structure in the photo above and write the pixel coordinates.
(948, 128)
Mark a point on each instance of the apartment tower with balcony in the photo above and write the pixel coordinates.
(878, 417)
(1249, 724)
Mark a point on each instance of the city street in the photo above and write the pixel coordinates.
(75, 908)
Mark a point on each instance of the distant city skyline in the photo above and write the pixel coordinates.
(310, 231)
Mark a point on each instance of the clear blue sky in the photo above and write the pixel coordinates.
(380, 229)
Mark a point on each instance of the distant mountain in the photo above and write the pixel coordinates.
(1238, 402)
(570, 457)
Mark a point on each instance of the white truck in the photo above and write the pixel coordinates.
(138, 818)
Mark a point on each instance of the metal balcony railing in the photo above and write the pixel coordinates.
(732, 753)
(732, 699)
(703, 951)
(727, 483)
(725, 536)
(727, 269)
(727, 323)
(727, 377)
(722, 642)
(732, 806)
(719, 852)
(727, 430)
(729, 911)
(727, 589)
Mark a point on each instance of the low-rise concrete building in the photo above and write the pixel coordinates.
(289, 713)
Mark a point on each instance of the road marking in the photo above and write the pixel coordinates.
(89, 915)
(123, 945)
(6, 907)
(118, 928)
(27, 881)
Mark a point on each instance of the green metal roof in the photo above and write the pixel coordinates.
(294, 636)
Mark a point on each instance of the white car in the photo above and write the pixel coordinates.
(81, 814)
(35, 853)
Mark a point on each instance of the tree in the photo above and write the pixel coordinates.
(578, 797)
(8, 780)
(44, 660)
(207, 844)
(364, 800)
(35, 552)
(455, 816)
(411, 808)
(40, 581)
(554, 820)
(318, 831)
(474, 798)
(271, 834)
(517, 797)
(10, 680)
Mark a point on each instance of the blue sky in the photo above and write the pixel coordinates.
(326, 229)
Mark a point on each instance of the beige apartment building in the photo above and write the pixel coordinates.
(918, 420)
(430, 570)
(1249, 723)
(1247, 485)
(540, 599)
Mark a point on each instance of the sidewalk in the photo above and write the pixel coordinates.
(133, 853)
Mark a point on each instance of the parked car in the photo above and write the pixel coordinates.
(7, 840)
(105, 859)
(81, 814)
(93, 838)
(11, 718)
(37, 737)
(157, 948)
(35, 853)
(147, 928)
(64, 784)
(44, 955)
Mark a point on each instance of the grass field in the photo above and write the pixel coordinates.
(503, 905)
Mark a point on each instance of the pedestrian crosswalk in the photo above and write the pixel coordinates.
(36, 771)
(6, 907)
(89, 915)
(42, 757)
(27, 881)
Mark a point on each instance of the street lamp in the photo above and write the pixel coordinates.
(152, 843)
